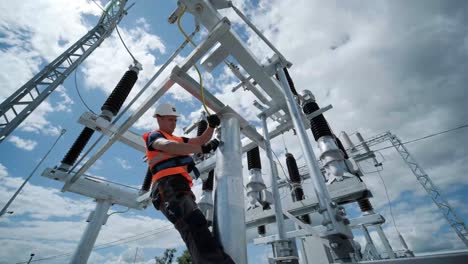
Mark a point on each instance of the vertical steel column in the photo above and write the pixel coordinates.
(385, 242)
(97, 218)
(229, 215)
(274, 181)
(408, 252)
(314, 170)
(369, 241)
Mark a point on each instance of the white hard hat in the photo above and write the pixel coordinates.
(165, 110)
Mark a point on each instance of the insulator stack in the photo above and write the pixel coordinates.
(115, 101)
(208, 184)
(293, 170)
(295, 178)
(290, 81)
(147, 182)
(340, 146)
(253, 159)
(318, 124)
(202, 126)
(78, 146)
(365, 205)
(261, 230)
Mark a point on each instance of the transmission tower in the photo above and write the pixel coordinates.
(22, 102)
(436, 195)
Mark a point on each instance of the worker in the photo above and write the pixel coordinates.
(170, 165)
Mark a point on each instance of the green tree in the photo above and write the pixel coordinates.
(185, 258)
(167, 257)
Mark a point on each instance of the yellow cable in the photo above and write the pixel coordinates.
(194, 65)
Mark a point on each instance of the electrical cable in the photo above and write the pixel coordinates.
(389, 203)
(5, 207)
(425, 137)
(282, 168)
(145, 87)
(202, 90)
(368, 172)
(79, 95)
(111, 244)
(119, 212)
(123, 42)
(118, 33)
(284, 143)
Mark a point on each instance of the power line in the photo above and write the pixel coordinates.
(118, 33)
(111, 244)
(79, 94)
(5, 208)
(389, 203)
(282, 168)
(425, 137)
(123, 42)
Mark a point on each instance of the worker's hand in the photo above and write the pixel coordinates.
(213, 121)
(211, 145)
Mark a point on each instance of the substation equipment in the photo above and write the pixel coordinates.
(316, 222)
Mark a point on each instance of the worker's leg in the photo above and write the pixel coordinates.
(177, 203)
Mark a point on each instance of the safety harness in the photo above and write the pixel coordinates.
(164, 164)
(176, 162)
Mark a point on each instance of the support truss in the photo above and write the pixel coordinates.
(436, 195)
(22, 102)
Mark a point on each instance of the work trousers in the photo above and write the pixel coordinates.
(173, 197)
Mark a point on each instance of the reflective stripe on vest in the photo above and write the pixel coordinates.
(163, 164)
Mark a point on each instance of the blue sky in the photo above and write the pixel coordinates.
(398, 66)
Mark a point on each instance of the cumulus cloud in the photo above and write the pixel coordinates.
(48, 223)
(397, 66)
(25, 144)
(124, 163)
(383, 68)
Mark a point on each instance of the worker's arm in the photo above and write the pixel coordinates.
(213, 122)
(184, 148)
(174, 147)
(200, 140)
(157, 141)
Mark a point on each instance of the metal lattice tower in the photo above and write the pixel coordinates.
(436, 195)
(22, 102)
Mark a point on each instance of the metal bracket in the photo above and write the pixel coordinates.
(102, 125)
(319, 112)
(215, 58)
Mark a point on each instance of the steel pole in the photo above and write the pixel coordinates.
(97, 218)
(314, 170)
(386, 244)
(229, 214)
(274, 181)
(369, 241)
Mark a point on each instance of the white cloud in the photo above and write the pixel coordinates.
(48, 224)
(123, 163)
(3, 171)
(25, 144)
(64, 102)
(388, 66)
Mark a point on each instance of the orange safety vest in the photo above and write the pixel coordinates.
(164, 164)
